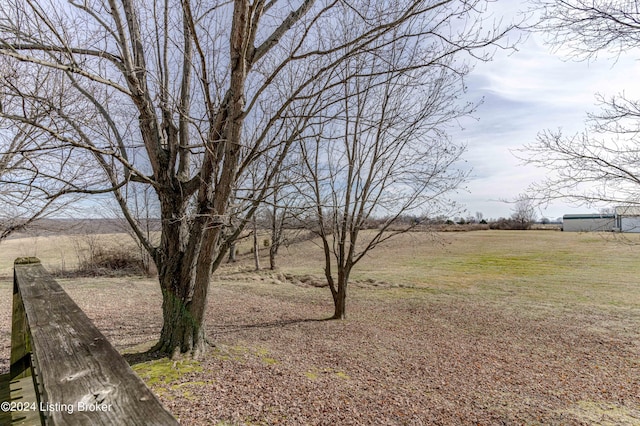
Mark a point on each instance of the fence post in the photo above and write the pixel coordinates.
(78, 377)
(20, 338)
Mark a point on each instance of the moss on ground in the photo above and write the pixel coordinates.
(605, 413)
(314, 374)
(165, 371)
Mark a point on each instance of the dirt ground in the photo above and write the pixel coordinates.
(406, 355)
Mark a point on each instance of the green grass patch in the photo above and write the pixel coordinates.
(269, 361)
(311, 375)
(342, 375)
(315, 374)
(165, 371)
(605, 413)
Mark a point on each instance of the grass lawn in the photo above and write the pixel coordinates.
(486, 327)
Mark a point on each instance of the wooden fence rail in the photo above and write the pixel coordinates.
(77, 376)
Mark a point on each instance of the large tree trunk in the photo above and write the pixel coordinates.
(185, 263)
(181, 332)
(340, 303)
(340, 295)
(184, 287)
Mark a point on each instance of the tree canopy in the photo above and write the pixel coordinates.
(201, 101)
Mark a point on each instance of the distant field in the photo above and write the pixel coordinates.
(553, 267)
(57, 251)
(486, 327)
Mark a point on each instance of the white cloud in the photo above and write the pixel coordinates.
(524, 93)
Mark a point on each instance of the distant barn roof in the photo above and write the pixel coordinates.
(588, 216)
(628, 210)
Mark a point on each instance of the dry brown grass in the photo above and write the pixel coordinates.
(59, 251)
(490, 327)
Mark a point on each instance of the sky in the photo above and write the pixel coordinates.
(522, 94)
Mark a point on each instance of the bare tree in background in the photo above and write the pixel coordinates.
(524, 212)
(21, 201)
(284, 209)
(589, 28)
(601, 164)
(32, 184)
(382, 151)
(184, 96)
(145, 210)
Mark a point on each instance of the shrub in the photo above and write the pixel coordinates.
(112, 262)
(116, 259)
(510, 224)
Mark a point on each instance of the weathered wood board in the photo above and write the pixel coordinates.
(83, 380)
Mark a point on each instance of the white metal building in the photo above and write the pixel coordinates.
(627, 218)
(623, 219)
(589, 222)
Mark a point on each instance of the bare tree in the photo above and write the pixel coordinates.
(382, 152)
(184, 96)
(145, 211)
(22, 201)
(524, 212)
(277, 216)
(600, 164)
(283, 211)
(589, 28)
(31, 183)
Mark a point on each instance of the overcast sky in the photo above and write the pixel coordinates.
(524, 93)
